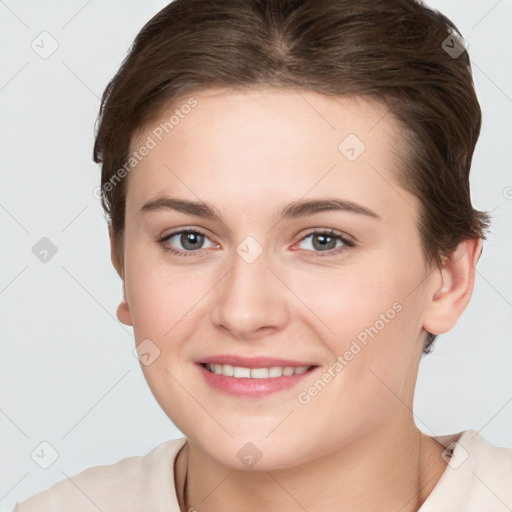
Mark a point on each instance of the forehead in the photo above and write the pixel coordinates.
(304, 113)
(267, 141)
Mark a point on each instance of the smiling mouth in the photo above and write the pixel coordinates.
(240, 372)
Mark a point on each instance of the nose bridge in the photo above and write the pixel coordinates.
(250, 298)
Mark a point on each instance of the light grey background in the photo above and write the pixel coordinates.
(67, 372)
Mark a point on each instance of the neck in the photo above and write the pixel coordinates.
(394, 469)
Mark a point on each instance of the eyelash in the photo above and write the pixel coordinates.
(183, 254)
(321, 254)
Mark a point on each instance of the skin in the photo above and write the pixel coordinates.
(249, 154)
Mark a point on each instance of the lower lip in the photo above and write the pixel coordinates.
(252, 387)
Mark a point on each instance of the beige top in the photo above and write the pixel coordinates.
(478, 478)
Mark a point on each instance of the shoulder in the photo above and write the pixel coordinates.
(478, 477)
(137, 483)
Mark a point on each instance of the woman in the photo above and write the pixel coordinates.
(288, 188)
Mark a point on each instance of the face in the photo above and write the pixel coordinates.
(269, 224)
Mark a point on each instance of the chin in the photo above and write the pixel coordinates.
(257, 455)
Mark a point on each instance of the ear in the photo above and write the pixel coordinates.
(452, 287)
(123, 310)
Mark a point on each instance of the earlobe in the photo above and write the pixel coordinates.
(123, 310)
(452, 287)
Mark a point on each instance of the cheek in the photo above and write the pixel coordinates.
(373, 319)
(166, 309)
(367, 315)
(348, 300)
(162, 301)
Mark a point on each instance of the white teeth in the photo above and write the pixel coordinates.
(239, 372)
(255, 373)
(259, 373)
(226, 370)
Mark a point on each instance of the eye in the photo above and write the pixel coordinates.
(326, 241)
(189, 241)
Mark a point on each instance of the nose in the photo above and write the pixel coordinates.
(250, 301)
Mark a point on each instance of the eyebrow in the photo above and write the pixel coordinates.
(300, 208)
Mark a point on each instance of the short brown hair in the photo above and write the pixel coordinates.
(398, 52)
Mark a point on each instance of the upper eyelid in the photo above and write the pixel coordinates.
(329, 231)
(185, 230)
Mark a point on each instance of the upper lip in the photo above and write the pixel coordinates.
(253, 362)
